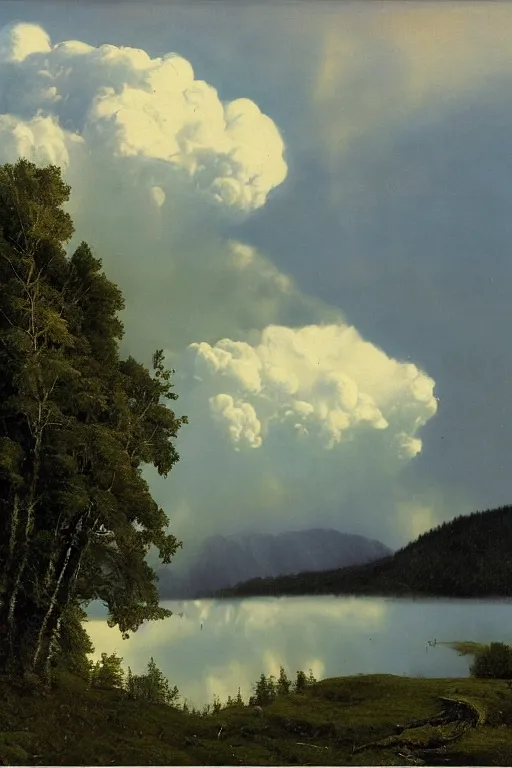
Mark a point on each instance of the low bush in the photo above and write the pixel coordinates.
(494, 661)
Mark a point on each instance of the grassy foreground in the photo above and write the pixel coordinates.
(362, 720)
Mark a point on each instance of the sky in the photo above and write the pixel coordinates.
(306, 205)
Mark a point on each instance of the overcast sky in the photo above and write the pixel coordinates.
(308, 208)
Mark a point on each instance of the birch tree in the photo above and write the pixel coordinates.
(77, 424)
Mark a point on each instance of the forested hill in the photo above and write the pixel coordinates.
(223, 561)
(470, 556)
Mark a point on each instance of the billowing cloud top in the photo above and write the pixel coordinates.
(323, 382)
(123, 102)
(295, 419)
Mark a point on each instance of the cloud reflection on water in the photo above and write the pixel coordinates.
(332, 636)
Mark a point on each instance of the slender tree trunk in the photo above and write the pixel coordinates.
(14, 584)
(54, 600)
(52, 647)
(61, 593)
(8, 568)
(51, 622)
(14, 523)
(52, 564)
(32, 287)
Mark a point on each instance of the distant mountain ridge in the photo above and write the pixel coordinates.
(224, 561)
(470, 556)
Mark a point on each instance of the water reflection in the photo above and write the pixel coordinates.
(216, 646)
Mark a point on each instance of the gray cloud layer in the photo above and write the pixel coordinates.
(427, 275)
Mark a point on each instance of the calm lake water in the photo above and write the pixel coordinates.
(333, 636)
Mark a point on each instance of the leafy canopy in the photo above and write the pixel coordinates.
(77, 426)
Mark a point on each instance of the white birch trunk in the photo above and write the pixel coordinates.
(54, 600)
(51, 607)
(29, 526)
(51, 649)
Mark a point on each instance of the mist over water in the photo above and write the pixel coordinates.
(217, 646)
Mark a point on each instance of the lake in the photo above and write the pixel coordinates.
(240, 639)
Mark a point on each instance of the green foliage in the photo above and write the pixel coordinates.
(74, 644)
(30, 206)
(283, 683)
(311, 679)
(267, 689)
(108, 672)
(494, 661)
(465, 557)
(322, 726)
(301, 682)
(77, 425)
(152, 687)
(11, 456)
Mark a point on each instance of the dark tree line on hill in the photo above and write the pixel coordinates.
(77, 424)
(466, 557)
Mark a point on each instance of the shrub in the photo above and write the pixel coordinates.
(283, 683)
(301, 681)
(153, 687)
(494, 661)
(268, 688)
(265, 691)
(311, 679)
(108, 673)
(71, 647)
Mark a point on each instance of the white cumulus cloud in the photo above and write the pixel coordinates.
(21, 40)
(41, 139)
(239, 418)
(127, 104)
(295, 420)
(299, 427)
(323, 381)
